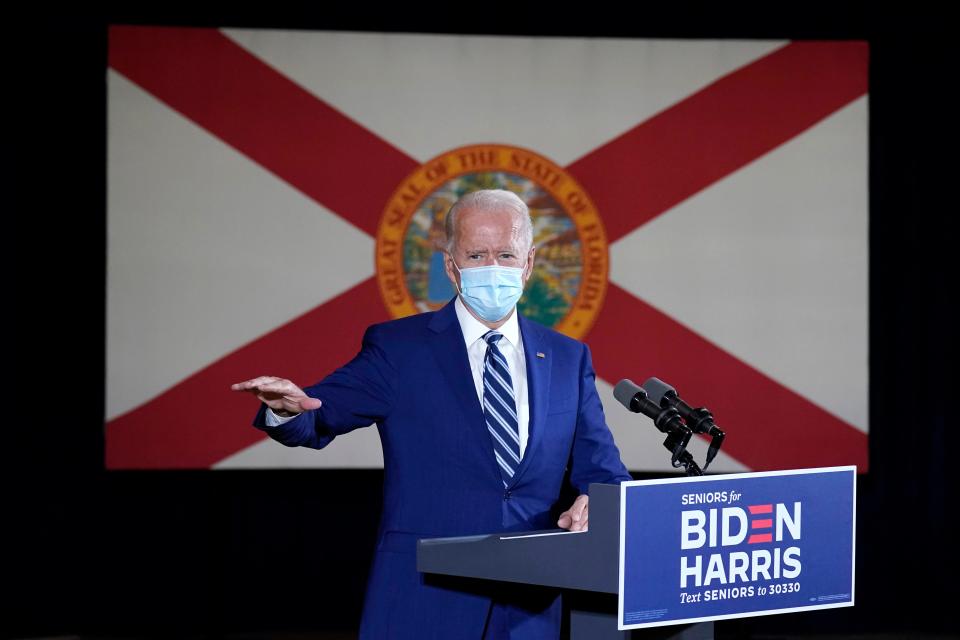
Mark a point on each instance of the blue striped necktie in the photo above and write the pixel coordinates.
(500, 408)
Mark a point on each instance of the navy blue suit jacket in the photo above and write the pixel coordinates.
(412, 379)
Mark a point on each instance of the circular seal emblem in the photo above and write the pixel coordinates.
(569, 279)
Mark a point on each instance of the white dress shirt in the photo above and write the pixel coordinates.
(510, 345)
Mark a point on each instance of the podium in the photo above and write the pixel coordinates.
(687, 552)
(590, 579)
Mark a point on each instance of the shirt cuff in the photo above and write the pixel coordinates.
(273, 420)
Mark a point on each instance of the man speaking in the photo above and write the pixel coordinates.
(483, 415)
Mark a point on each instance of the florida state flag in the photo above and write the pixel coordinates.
(700, 212)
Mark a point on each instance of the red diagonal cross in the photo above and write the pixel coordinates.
(316, 149)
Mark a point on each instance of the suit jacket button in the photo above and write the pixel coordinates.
(506, 495)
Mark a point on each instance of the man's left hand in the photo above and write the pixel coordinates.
(575, 518)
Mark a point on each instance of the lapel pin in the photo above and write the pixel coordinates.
(540, 354)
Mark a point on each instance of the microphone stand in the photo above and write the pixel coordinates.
(690, 467)
(678, 436)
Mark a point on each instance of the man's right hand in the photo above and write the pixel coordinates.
(281, 395)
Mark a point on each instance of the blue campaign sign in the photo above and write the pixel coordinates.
(747, 544)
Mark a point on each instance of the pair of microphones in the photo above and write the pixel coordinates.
(671, 415)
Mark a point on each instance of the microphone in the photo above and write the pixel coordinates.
(699, 420)
(666, 419)
(635, 399)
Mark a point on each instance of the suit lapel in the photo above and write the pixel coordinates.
(536, 354)
(450, 353)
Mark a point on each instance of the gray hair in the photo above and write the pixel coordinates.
(491, 199)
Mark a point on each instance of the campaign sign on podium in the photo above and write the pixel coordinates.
(730, 546)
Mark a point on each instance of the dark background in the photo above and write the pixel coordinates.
(212, 554)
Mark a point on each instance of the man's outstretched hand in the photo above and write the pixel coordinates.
(575, 518)
(281, 395)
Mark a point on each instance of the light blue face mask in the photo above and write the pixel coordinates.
(491, 291)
